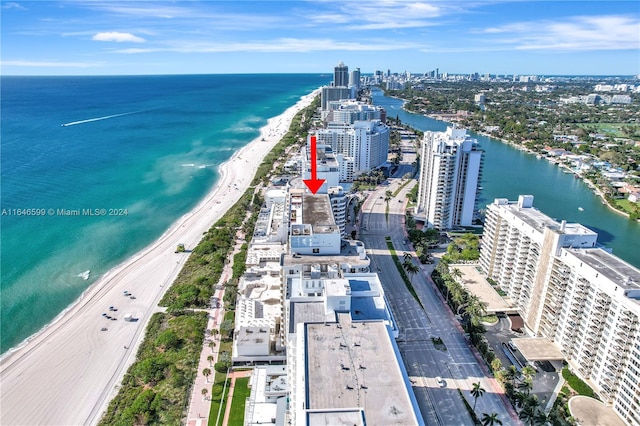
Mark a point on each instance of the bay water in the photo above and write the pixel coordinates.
(509, 172)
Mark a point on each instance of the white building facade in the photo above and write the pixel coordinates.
(571, 292)
(449, 174)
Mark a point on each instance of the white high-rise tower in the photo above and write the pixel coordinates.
(449, 175)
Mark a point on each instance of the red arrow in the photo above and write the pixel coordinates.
(314, 183)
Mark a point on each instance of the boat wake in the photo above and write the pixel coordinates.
(84, 275)
(106, 117)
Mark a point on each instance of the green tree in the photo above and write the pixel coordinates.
(411, 269)
(226, 328)
(204, 393)
(490, 419)
(528, 415)
(206, 373)
(477, 391)
(210, 359)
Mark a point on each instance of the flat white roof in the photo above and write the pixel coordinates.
(352, 365)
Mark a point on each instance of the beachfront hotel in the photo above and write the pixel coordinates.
(451, 167)
(572, 292)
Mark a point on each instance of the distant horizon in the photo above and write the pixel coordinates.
(506, 37)
(329, 74)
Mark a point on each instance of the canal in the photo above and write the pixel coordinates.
(509, 172)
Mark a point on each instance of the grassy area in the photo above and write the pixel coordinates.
(489, 319)
(155, 389)
(438, 344)
(397, 191)
(627, 206)
(576, 383)
(402, 272)
(217, 399)
(609, 129)
(241, 392)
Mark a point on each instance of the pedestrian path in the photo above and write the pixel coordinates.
(199, 403)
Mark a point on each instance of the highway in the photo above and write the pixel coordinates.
(440, 404)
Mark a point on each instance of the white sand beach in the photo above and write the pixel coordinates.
(69, 371)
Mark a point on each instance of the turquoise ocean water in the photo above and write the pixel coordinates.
(149, 145)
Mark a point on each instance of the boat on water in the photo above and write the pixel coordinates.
(581, 209)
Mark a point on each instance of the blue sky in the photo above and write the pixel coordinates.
(183, 37)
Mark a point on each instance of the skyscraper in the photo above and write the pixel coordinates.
(341, 75)
(449, 174)
(354, 79)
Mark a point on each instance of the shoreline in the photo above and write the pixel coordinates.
(76, 365)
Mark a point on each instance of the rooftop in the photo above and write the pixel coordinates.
(349, 254)
(357, 363)
(316, 211)
(303, 312)
(613, 268)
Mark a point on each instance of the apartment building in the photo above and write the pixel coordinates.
(572, 292)
(449, 174)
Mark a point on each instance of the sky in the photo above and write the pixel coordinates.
(98, 37)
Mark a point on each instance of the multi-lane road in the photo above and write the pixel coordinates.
(454, 364)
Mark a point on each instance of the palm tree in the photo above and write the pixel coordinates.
(490, 419)
(527, 415)
(542, 418)
(456, 273)
(476, 392)
(212, 345)
(388, 195)
(511, 374)
(210, 359)
(204, 392)
(206, 372)
(528, 372)
(496, 364)
(411, 269)
(407, 256)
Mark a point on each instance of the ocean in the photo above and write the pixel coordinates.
(93, 169)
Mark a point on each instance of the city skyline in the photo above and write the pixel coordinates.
(210, 37)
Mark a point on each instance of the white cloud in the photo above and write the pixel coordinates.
(20, 63)
(13, 5)
(383, 14)
(580, 33)
(277, 45)
(118, 37)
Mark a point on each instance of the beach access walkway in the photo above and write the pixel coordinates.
(199, 404)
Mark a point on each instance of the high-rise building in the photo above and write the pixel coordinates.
(365, 142)
(329, 94)
(341, 75)
(575, 294)
(449, 175)
(354, 79)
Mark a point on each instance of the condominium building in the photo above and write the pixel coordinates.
(451, 167)
(366, 143)
(330, 93)
(354, 78)
(572, 292)
(350, 111)
(341, 75)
